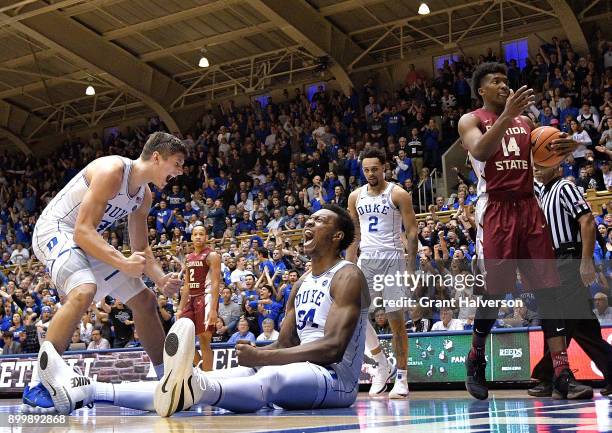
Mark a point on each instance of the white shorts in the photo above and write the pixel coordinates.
(375, 265)
(69, 266)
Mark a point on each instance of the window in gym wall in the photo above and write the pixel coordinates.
(264, 100)
(311, 89)
(517, 49)
(439, 60)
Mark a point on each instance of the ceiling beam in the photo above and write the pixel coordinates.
(16, 140)
(87, 49)
(305, 25)
(402, 21)
(571, 26)
(168, 19)
(6, 19)
(347, 6)
(89, 6)
(208, 42)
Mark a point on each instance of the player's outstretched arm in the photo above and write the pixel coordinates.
(348, 291)
(353, 249)
(404, 203)
(105, 181)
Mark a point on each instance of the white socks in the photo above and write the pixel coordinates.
(402, 375)
(159, 370)
(35, 379)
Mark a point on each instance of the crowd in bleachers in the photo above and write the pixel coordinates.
(254, 173)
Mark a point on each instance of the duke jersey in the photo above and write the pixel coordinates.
(380, 221)
(510, 169)
(61, 212)
(198, 272)
(312, 304)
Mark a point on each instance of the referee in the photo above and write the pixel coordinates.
(573, 233)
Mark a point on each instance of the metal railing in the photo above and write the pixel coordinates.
(422, 190)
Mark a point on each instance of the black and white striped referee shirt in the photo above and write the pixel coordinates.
(562, 203)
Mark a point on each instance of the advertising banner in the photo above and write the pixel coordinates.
(582, 366)
(432, 358)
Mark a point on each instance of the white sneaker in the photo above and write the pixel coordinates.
(69, 390)
(175, 392)
(400, 389)
(380, 377)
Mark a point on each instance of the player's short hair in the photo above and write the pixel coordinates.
(485, 69)
(345, 224)
(164, 143)
(374, 152)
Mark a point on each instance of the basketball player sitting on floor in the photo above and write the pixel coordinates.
(316, 361)
(85, 268)
(199, 304)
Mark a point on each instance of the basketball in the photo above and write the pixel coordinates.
(541, 138)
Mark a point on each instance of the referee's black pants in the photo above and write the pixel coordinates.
(582, 325)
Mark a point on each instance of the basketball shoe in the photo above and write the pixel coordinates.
(37, 400)
(565, 387)
(400, 388)
(175, 390)
(475, 380)
(380, 377)
(69, 390)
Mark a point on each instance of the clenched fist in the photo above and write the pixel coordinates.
(135, 264)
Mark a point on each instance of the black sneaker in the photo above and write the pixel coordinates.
(542, 389)
(607, 391)
(565, 387)
(475, 381)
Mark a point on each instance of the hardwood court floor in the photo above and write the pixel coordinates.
(510, 411)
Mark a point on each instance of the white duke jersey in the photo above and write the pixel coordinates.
(61, 212)
(312, 304)
(380, 221)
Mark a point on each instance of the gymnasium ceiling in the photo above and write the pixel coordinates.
(142, 55)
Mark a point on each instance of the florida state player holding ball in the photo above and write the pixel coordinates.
(197, 303)
(512, 230)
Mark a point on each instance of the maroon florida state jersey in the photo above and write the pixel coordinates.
(510, 169)
(197, 269)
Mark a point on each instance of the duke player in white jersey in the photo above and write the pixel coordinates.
(379, 210)
(85, 268)
(316, 361)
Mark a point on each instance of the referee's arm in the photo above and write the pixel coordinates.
(573, 202)
(587, 233)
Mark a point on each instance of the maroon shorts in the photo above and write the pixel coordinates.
(197, 309)
(513, 234)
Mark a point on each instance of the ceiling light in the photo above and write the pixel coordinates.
(90, 91)
(203, 63)
(423, 9)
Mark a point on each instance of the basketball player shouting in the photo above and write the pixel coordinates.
(316, 361)
(379, 209)
(199, 304)
(511, 229)
(85, 268)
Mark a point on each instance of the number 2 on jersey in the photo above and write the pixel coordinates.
(373, 224)
(511, 147)
(191, 274)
